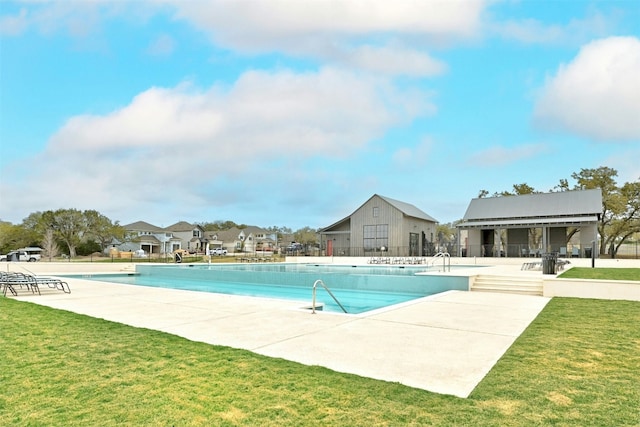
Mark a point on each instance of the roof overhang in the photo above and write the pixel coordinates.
(147, 238)
(531, 222)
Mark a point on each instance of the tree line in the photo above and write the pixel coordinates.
(74, 232)
(70, 229)
(89, 231)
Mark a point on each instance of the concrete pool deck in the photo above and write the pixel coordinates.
(445, 343)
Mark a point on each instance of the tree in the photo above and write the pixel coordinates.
(521, 189)
(279, 232)
(518, 190)
(10, 237)
(70, 226)
(16, 236)
(49, 245)
(40, 224)
(614, 219)
(307, 236)
(624, 226)
(220, 225)
(102, 229)
(447, 236)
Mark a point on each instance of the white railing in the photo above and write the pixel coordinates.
(446, 260)
(313, 301)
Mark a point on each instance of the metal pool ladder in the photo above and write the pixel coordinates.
(313, 301)
(446, 260)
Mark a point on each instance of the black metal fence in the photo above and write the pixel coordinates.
(626, 251)
(392, 251)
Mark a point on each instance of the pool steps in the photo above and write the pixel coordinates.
(128, 268)
(508, 284)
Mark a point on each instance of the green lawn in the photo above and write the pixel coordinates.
(577, 364)
(602, 273)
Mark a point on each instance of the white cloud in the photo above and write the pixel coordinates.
(163, 45)
(328, 31)
(597, 95)
(334, 31)
(205, 148)
(626, 163)
(78, 18)
(534, 31)
(12, 25)
(415, 158)
(394, 60)
(155, 118)
(251, 24)
(499, 155)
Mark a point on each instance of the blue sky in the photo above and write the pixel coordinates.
(294, 113)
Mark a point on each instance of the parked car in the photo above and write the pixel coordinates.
(218, 251)
(20, 255)
(295, 247)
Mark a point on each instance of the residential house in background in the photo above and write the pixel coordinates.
(250, 239)
(381, 226)
(150, 239)
(192, 237)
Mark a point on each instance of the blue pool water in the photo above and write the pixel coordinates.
(358, 288)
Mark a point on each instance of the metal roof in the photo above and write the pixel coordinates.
(569, 207)
(408, 209)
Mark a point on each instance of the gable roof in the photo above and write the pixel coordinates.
(142, 226)
(252, 229)
(564, 206)
(221, 236)
(182, 226)
(407, 209)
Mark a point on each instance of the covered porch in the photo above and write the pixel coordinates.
(564, 223)
(528, 240)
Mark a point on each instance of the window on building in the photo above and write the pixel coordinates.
(196, 233)
(376, 237)
(376, 211)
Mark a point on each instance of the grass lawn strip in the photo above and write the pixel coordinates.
(602, 273)
(578, 363)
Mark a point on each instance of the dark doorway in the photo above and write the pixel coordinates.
(487, 243)
(414, 244)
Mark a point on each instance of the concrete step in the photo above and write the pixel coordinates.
(128, 268)
(508, 284)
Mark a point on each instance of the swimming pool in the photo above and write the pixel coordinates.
(358, 288)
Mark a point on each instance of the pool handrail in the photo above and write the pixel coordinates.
(446, 260)
(313, 300)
